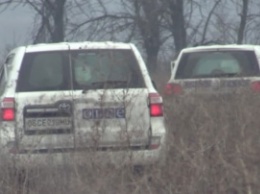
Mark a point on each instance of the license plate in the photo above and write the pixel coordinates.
(48, 123)
(105, 113)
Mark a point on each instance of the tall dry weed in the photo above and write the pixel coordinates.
(213, 147)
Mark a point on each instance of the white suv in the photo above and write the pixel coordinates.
(68, 100)
(216, 69)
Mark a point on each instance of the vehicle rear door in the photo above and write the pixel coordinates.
(43, 100)
(110, 100)
(221, 71)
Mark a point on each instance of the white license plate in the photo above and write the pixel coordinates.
(48, 123)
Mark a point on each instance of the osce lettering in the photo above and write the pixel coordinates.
(106, 113)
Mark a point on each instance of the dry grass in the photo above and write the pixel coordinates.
(214, 144)
(213, 148)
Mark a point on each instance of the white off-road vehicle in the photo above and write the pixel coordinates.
(217, 69)
(71, 102)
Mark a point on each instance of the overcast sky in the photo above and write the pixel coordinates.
(15, 26)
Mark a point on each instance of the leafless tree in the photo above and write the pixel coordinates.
(148, 23)
(236, 21)
(190, 22)
(135, 20)
(4, 4)
(243, 21)
(208, 19)
(91, 20)
(148, 19)
(52, 18)
(175, 21)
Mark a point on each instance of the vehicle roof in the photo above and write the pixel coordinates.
(75, 45)
(219, 47)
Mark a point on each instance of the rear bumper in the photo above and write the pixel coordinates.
(117, 158)
(71, 157)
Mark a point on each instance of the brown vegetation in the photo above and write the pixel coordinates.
(213, 148)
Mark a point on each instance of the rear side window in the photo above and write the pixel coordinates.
(80, 69)
(217, 64)
(44, 71)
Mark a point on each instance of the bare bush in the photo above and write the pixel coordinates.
(214, 144)
(213, 147)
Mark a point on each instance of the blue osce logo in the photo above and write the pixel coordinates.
(106, 113)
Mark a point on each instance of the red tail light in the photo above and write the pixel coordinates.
(155, 105)
(172, 88)
(8, 109)
(255, 86)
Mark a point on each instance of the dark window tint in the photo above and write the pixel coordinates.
(95, 69)
(217, 64)
(44, 71)
(91, 69)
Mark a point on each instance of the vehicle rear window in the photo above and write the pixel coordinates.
(80, 69)
(105, 69)
(44, 71)
(212, 64)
